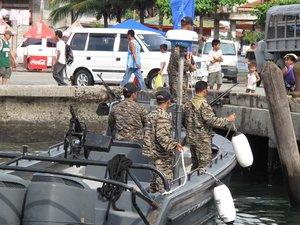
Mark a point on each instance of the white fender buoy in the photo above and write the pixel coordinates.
(242, 149)
(224, 204)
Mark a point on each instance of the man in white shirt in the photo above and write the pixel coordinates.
(214, 65)
(60, 60)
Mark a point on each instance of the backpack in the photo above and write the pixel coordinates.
(69, 55)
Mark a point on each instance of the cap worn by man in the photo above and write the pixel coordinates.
(162, 96)
(187, 21)
(8, 32)
(291, 55)
(131, 88)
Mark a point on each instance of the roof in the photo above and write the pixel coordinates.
(39, 30)
(248, 7)
(132, 24)
(292, 10)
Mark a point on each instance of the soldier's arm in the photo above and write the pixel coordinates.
(210, 118)
(163, 134)
(111, 124)
(187, 65)
(144, 116)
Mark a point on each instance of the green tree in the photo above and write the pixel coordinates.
(261, 9)
(210, 7)
(253, 36)
(141, 6)
(164, 9)
(77, 8)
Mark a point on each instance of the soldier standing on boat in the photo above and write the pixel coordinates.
(159, 144)
(199, 117)
(189, 65)
(128, 119)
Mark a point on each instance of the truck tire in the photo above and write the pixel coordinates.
(151, 79)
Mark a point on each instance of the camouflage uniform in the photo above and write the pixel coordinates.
(173, 74)
(199, 117)
(128, 118)
(159, 145)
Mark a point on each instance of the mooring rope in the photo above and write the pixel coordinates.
(201, 170)
(185, 175)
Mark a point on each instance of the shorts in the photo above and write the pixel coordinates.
(5, 72)
(215, 77)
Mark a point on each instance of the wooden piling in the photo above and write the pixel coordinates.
(283, 128)
(296, 93)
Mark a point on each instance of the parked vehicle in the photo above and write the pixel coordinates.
(36, 47)
(282, 35)
(104, 50)
(230, 57)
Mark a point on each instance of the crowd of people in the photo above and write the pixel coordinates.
(287, 67)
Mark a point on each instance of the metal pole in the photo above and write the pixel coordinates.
(179, 106)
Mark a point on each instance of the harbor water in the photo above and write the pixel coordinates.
(260, 198)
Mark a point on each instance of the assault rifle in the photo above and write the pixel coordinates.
(104, 108)
(213, 102)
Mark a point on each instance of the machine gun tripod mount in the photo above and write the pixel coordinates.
(75, 136)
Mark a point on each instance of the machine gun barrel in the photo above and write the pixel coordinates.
(114, 95)
(74, 121)
(222, 95)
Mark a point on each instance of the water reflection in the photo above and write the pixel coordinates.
(32, 147)
(259, 200)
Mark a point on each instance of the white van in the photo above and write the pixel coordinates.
(36, 47)
(230, 58)
(104, 50)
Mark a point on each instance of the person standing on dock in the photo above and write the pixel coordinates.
(159, 144)
(252, 78)
(288, 72)
(7, 57)
(128, 118)
(60, 61)
(199, 118)
(214, 65)
(133, 61)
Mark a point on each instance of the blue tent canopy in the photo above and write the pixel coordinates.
(132, 24)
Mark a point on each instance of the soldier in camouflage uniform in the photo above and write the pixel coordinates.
(127, 119)
(199, 117)
(159, 144)
(189, 65)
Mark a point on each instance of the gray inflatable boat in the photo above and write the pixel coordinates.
(90, 179)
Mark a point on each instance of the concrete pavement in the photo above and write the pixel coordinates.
(45, 78)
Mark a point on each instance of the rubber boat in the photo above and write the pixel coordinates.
(73, 183)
